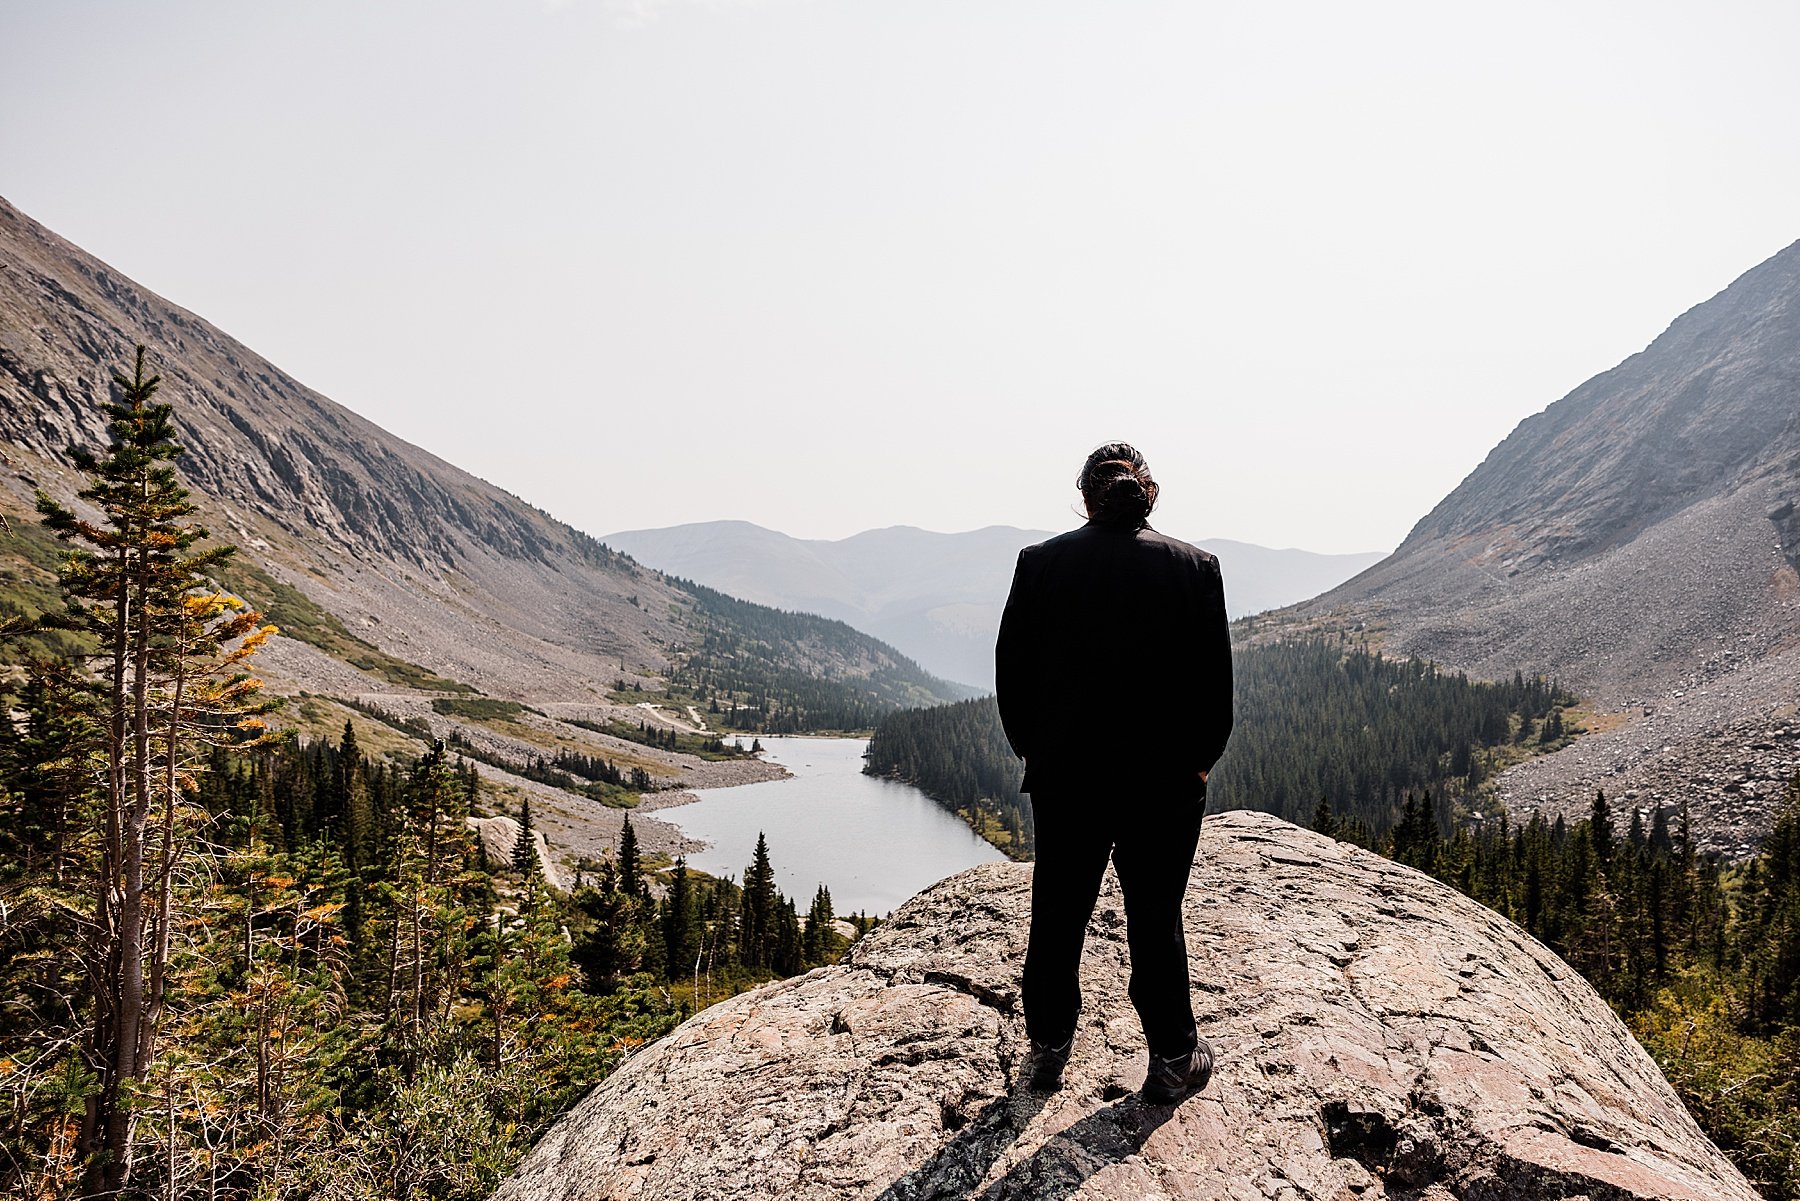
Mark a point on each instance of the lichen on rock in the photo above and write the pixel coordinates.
(1378, 1036)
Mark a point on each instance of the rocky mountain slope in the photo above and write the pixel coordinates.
(1378, 1035)
(393, 573)
(1637, 539)
(410, 553)
(935, 596)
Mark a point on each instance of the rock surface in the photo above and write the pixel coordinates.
(1378, 1036)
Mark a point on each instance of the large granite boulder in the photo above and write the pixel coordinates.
(1378, 1036)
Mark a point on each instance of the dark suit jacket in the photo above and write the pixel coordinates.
(1113, 665)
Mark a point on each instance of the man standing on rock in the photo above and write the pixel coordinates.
(1113, 674)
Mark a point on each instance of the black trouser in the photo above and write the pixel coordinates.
(1151, 841)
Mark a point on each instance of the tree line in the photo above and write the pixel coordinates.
(1315, 717)
(1318, 717)
(959, 756)
(597, 779)
(765, 670)
(705, 746)
(713, 935)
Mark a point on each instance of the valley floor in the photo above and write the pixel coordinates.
(575, 826)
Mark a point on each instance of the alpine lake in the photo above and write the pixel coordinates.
(872, 842)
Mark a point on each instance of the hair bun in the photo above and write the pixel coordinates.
(1116, 484)
(1124, 486)
(1121, 500)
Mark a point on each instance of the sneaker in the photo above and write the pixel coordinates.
(1170, 1080)
(1044, 1067)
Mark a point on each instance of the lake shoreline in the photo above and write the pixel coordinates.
(961, 814)
(870, 841)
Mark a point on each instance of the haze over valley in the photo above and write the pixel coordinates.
(402, 582)
(936, 597)
(375, 825)
(1627, 558)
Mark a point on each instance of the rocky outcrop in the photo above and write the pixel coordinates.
(1378, 1036)
(500, 834)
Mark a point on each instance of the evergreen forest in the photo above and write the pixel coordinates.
(762, 670)
(959, 756)
(1315, 718)
(236, 964)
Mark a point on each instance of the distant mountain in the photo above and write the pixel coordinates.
(390, 569)
(1258, 579)
(937, 597)
(1639, 538)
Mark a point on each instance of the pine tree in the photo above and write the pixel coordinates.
(1322, 819)
(757, 918)
(50, 762)
(524, 850)
(785, 952)
(351, 783)
(631, 875)
(1775, 913)
(430, 899)
(680, 926)
(1600, 830)
(135, 582)
(817, 938)
(610, 943)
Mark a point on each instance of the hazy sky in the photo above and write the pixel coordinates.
(833, 264)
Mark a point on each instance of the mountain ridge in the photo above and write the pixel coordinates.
(1636, 539)
(1736, 431)
(398, 575)
(936, 596)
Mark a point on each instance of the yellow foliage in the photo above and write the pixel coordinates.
(1690, 1026)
